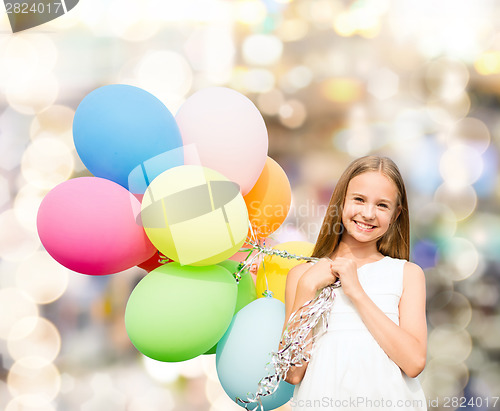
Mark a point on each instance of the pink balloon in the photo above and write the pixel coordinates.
(88, 224)
(229, 134)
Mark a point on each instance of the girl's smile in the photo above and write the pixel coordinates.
(364, 227)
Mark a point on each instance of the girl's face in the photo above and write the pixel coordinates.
(369, 206)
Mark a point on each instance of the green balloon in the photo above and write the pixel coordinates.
(246, 290)
(177, 312)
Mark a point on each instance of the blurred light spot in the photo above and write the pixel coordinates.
(163, 372)
(450, 308)
(490, 338)
(437, 280)
(383, 84)
(35, 376)
(16, 243)
(460, 166)
(166, 75)
(449, 112)
(30, 402)
(270, 102)
(259, 80)
(4, 191)
(462, 200)
(361, 139)
(152, 399)
(26, 205)
(342, 90)
(344, 24)
(490, 376)
(42, 278)
(4, 395)
(488, 63)
(212, 390)
(218, 399)
(442, 378)
(477, 359)
(209, 367)
(358, 20)
(192, 368)
(129, 20)
(47, 162)
(484, 295)
(483, 230)
(16, 305)
(34, 336)
(249, 11)
(14, 138)
(317, 168)
(486, 184)
(106, 396)
(297, 78)
(56, 121)
(471, 132)
(262, 49)
(424, 253)
(67, 383)
(25, 56)
(19, 60)
(320, 12)
(293, 114)
(192, 11)
(211, 50)
(34, 94)
(462, 255)
(435, 221)
(449, 344)
(292, 30)
(446, 78)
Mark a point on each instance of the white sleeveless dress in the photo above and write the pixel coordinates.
(348, 369)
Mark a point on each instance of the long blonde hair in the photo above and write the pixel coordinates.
(396, 241)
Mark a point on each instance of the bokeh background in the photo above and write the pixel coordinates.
(415, 80)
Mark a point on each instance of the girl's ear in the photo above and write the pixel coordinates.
(396, 213)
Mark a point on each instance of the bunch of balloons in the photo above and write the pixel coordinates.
(186, 187)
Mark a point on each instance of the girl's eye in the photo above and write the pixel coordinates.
(358, 199)
(384, 205)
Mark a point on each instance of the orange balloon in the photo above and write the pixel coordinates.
(268, 202)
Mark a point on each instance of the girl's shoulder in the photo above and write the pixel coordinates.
(413, 272)
(408, 266)
(299, 269)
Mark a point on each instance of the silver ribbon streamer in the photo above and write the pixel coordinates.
(298, 339)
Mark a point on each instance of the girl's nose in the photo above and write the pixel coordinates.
(368, 211)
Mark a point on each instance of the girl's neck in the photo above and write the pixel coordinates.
(358, 252)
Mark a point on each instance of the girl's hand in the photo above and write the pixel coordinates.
(319, 275)
(347, 270)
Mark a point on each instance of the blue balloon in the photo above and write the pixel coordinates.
(118, 128)
(242, 356)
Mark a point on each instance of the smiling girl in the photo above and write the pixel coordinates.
(376, 342)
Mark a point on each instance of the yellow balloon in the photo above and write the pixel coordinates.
(276, 268)
(194, 215)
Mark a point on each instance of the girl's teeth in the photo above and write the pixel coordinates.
(363, 225)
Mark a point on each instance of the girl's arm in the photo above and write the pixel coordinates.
(302, 282)
(405, 344)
